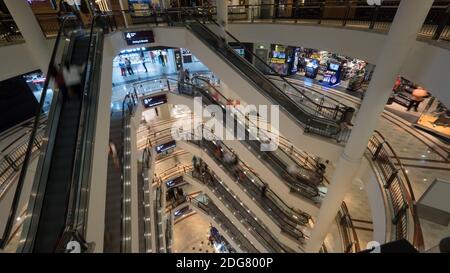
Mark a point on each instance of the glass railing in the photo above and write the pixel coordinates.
(303, 180)
(319, 120)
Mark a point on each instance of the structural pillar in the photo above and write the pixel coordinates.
(222, 11)
(36, 42)
(125, 7)
(402, 35)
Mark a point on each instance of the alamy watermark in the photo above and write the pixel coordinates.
(210, 123)
(374, 2)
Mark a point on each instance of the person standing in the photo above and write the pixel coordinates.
(152, 56)
(164, 54)
(187, 75)
(122, 67)
(143, 63)
(128, 66)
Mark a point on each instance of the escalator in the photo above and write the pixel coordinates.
(52, 219)
(278, 161)
(57, 208)
(321, 119)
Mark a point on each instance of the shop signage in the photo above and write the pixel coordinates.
(165, 147)
(154, 101)
(139, 37)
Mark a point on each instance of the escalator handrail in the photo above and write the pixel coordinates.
(327, 122)
(269, 191)
(304, 186)
(340, 105)
(26, 162)
(246, 118)
(70, 224)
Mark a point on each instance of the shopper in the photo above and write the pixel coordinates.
(122, 67)
(223, 34)
(187, 76)
(128, 66)
(114, 155)
(73, 80)
(152, 56)
(161, 58)
(164, 54)
(418, 95)
(143, 63)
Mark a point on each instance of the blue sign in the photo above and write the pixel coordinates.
(165, 147)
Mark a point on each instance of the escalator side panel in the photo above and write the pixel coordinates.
(54, 209)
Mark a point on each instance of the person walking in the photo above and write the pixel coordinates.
(128, 66)
(161, 58)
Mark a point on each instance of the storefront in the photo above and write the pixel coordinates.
(143, 63)
(284, 59)
(417, 105)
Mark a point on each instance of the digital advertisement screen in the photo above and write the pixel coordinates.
(165, 147)
(334, 67)
(139, 37)
(174, 182)
(154, 101)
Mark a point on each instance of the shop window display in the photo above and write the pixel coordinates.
(435, 119)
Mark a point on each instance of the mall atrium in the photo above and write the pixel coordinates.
(224, 126)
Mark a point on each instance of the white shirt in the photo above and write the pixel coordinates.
(72, 75)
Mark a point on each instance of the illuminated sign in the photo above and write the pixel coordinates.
(139, 37)
(165, 147)
(154, 101)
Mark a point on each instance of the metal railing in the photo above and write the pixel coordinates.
(13, 156)
(347, 230)
(356, 14)
(399, 191)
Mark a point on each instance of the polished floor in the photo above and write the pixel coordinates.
(190, 235)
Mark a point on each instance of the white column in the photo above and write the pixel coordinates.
(97, 192)
(402, 35)
(227, 91)
(36, 42)
(222, 11)
(126, 17)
